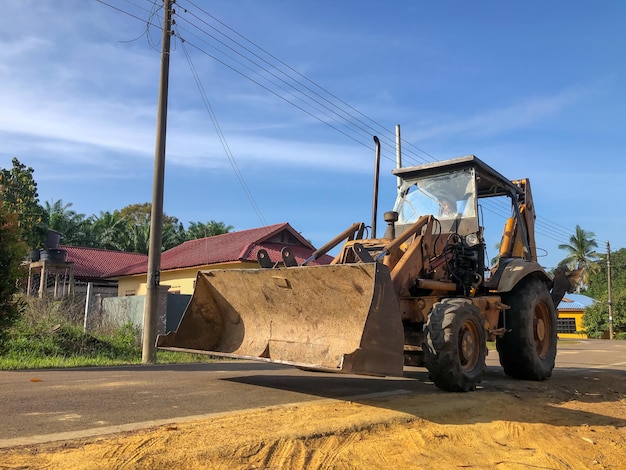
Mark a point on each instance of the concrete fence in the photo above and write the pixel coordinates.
(105, 310)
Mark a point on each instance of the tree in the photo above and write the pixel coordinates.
(139, 215)
(496, 258)
(19, 195)
(13, 250)
(109, 231)
(173, 235)
(596, 317)
(73, 226)
(581, 254)
(139, 238)
(197, 230)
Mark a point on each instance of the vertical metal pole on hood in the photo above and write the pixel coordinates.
(376, 173)
(398, 155)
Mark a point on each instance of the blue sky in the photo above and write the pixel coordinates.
(536, 89)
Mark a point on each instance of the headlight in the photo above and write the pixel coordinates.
(472, 240)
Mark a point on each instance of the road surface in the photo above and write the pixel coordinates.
(45, 405)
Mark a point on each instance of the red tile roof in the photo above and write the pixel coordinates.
(95, 263)
(229, 247)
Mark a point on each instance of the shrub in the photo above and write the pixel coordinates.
(596, 317)
(12, 251)
(53, 329)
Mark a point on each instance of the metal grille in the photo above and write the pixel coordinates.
(566, 325)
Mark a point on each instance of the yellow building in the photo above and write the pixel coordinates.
(570, 315)
(234, 250)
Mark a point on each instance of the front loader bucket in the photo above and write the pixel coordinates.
(342, 318)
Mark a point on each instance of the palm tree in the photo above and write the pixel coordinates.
(173, 235)
(110, 231)
(199, 230)
(70, 224)
(139, 238)
(581, 254)
(496, 258)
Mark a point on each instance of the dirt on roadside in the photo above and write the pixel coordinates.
(572, 421)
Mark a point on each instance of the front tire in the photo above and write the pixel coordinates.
(528, 348)
(454, 345)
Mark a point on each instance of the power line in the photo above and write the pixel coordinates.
(283, 81)
(306, 90)
(355, 117)
(143, 20)
(272, 91)
(343, 117)
(152, 14)
(221, 136)
(307, 107)
(276, 73)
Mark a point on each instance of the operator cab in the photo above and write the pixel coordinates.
(450, 197)
(450, 191)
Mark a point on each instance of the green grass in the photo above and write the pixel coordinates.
(60, 362)
(50, 334)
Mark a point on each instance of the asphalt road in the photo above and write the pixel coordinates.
(46, 405)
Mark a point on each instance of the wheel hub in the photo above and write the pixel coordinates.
(468, 348)
(542, 331)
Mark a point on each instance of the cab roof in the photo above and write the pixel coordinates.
(489, 182)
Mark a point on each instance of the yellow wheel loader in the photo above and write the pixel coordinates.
(421, 295)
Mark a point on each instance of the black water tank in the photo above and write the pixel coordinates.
(54, 255)
(33, 255)
(53, 238)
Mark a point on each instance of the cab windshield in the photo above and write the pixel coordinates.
(449, 197)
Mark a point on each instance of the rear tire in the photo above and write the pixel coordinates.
(454, 345)
(528, 348)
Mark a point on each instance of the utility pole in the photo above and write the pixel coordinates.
(156, 218)
(610, 302)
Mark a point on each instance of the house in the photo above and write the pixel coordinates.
(95, 265)
(72, 268)
(234, 250)
(570, 315)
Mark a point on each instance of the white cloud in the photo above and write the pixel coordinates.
(519, 115)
